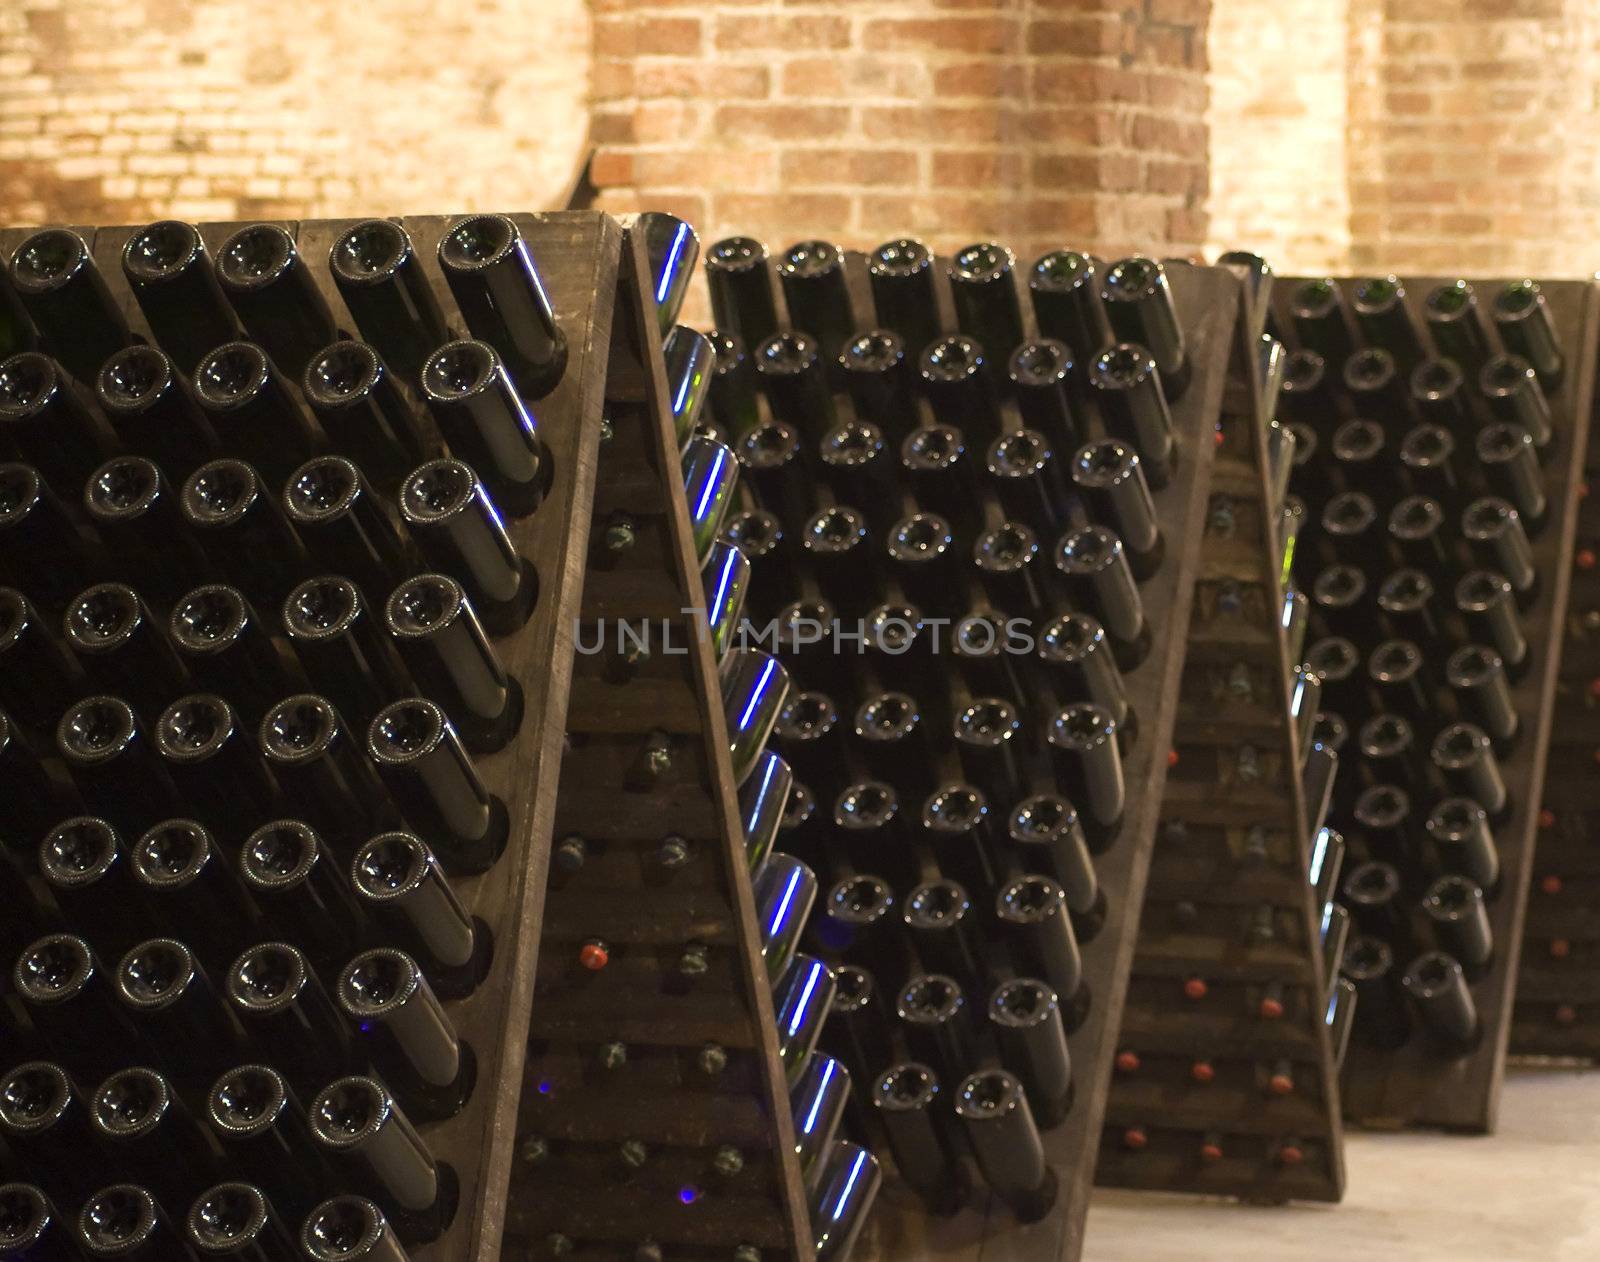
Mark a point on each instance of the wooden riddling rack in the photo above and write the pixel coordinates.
(571, 1194)
(1421, 1083)
(1206, 300)
(613, 366)
(1217, 998)
(1557, 1010)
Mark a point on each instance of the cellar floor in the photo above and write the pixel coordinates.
(1530, 1193)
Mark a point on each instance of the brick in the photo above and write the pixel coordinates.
(949, 124)
(979, 78)
(781, 34)
(982, 168)
(957, 35)
(781, 122)
(827, 168)
(701, 168)
(1080, 37)
(775, 214)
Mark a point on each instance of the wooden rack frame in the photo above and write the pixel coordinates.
(1234, 843)
(901, 1230)
(573, 1185)
(1557, 1011)
(1414, 1085)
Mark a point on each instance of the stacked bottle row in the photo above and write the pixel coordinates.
(648, 1131)
(1557, 1009)
(947, 534)
(1224, 1077)
(1424, 432)
(248, 674)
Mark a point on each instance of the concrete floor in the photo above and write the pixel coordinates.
(1530, 1193)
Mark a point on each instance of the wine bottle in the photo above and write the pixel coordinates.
(363, 412)
(170, 272)
(112, 631)
(1526, 328)
(448, 511)
(1416, 529)
(754, 687)
(1438, 390)
(71, 1002)
(818, 1102)
(943, 927)
(34, 522)
(1025, 1015)
(1464, 757)
(941, 474)
(1101, 583)
(491, 271)
(1083, 744)
(1111, 476)
(725, 579)
(1455, 908)
(811, 736)
(1049, 825)
(843, 1201)
(436, 785)
(248, 403)
(322, 769)
(901, 275)
(710, 474)
(290, 876)
(1307, 391)
(1373, 379)
(923, 558)
(213, 761)
(1065, 288)
(381, 280)
(400, 882)
(857, 1029)
(350, 1229)
(45, 1128)
(1486, 602)
(44, 419)
(763, 801)
(857, 921)
(1372, 892)
(143, 1125)
(449, 654)
(742, 300)
(1432, 467)
(1514, 394)
(1511, 468)
(39, 678)
(1458, 827)
(124, 1221)
(957, 381)
(1138, 301)
(1381, 312)
(983, 285)
(236, 1222)
(801, 1001)
(956, 820)
(1030, 482)
(937, 1023)
(241, 527)
(1034, 923)
(993, 1109)
(1322, 322)
(817, 295)
(346, 653)
(482, 416)
(371, 1142)
(113, 762)
(1384, 813)
(1481, 683)
(877, 377)
(691, 363)
(907, 1099)
(790, 369)
(31, 1226)
(135, 514)
(1456, 323)
(784, 893)
(406, 1034)
(1493, 529)
(1040, 373)
(275, 994)
(1130, 392)
(733, 387)
(276, 295)
(66, 298)
(989, 740)
(892, 734)
(1381, 1015)
(265, 1135)
(1008, 565)
(153, 410)
(1435, 981)
(671, 249)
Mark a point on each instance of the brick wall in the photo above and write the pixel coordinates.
(1424, 135)
(1033, 121)
(127, 110)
